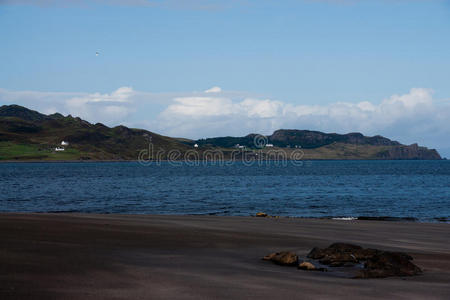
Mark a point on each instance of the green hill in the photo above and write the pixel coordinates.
(26, 134)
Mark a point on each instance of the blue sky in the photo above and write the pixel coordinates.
(307, 55)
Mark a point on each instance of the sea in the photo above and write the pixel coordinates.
(393, 190)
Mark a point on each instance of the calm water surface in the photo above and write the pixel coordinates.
(418, 189)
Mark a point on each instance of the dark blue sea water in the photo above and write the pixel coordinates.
(417, 189)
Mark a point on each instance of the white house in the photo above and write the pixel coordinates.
(269, 145)
(59, 149)
(196, 146)
(64, 143)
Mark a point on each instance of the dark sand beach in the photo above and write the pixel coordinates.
(87, 256)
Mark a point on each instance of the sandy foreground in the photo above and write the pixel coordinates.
(87, 256)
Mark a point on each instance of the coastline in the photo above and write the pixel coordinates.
(191, 161)
(74, 256)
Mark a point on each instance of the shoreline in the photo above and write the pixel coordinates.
(100, 256)
(391, 219)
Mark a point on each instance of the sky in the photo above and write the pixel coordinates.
(206, 68)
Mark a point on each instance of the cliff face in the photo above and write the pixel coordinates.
(409, 152)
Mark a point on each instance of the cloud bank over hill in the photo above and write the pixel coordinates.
(411, 117)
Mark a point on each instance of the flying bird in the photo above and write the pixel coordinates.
(97, 53)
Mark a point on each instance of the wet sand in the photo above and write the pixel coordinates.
(87, 256)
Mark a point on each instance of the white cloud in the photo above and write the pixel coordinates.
(105, 108)
(214, 89)
(120, 95)
(194, 107)
(340, 115)
(255, 108)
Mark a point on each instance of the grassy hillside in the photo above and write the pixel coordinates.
(13, 151)
(35, 136)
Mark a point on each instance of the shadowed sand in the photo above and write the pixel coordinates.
(87, 256)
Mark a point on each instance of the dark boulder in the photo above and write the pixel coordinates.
(377, 263)
(386, 264)
(337, 254)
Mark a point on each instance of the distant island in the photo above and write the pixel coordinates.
(27, 135)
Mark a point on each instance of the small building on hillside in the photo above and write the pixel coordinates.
(59, 149)
(64, 143)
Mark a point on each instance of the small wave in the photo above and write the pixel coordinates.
(344, 218)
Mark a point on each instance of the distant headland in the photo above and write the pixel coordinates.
(27, 135)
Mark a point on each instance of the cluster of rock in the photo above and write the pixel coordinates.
(287, 258)
(375, 263)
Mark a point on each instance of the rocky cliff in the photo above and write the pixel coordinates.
(413, 151)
